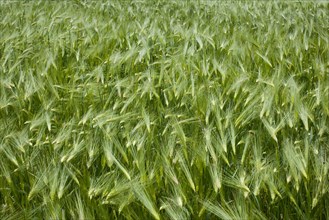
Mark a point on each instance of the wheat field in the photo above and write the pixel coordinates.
(164, 109)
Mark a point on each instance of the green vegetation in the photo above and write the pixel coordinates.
(164, 110)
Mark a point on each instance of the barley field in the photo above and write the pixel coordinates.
(164, 109)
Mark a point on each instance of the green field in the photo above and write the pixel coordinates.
(164, 109)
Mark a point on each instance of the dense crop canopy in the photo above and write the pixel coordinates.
(164, 109)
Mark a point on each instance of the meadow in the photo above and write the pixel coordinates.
(164, 109)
